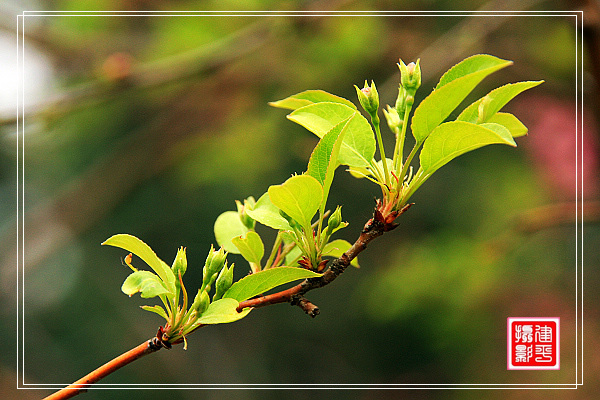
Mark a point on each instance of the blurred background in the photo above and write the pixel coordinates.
(154, 125)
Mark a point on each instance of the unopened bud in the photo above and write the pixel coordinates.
(410, 76)
(368, 98)
(180, 263)
(224, 281)
(334, 221)
(201, 302)
(249, 203)
(393, 118)
(214, 263)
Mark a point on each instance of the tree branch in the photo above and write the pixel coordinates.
(374, 228)
(82, 384)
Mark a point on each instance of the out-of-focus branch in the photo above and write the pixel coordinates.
(458, 41)
(139, 76)
(558, 214)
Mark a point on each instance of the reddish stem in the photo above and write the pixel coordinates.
(82, 384)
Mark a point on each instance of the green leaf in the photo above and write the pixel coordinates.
(261, 282)
(485, 108)
(144, 282)
(452, 89)
(510, 122)
(222, 311)
(467, 66)
(299, 197)
(452, 139)
(251, 247)
(324, 158)
(268, 214)
(337, 247)
(156, 309)
(143, 251)
(228, 226)
(310, 97)
(358, 146)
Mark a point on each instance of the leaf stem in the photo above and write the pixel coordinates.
(376, 125)
(409, 159)
(399, 150)
(274, 250)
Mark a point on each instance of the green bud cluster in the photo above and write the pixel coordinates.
(213, 265)
(410, 81)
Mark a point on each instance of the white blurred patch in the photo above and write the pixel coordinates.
(35, 72)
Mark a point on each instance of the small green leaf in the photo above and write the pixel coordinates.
(469, 65)
(261, 282)
(310, 97)
(299, 197)
(268, 214)
(222, 311)
(144, 282)
(452, 139)
(337, 247)
(156, 309)
(358, 146)
(251, 247)
(510, 122)
(143, 251)
(452, 89)
(324, 158)
(228, 226)
(485, 108)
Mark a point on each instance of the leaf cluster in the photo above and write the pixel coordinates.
(297, 208)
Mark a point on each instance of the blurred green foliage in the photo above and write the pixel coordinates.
(163, 151)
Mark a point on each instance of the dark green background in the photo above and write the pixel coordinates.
(162, 154)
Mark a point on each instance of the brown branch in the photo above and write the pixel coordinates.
(295, 295)
(375, 227)
(82, 384)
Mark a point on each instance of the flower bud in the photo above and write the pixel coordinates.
(334, 221)
(214, 263)
(180, 263)
(393, 118)
(249, 203)
(224, 281)
(368, 98)
(201, 302)
(410, 76)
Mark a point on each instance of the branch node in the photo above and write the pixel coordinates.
(309, 308)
